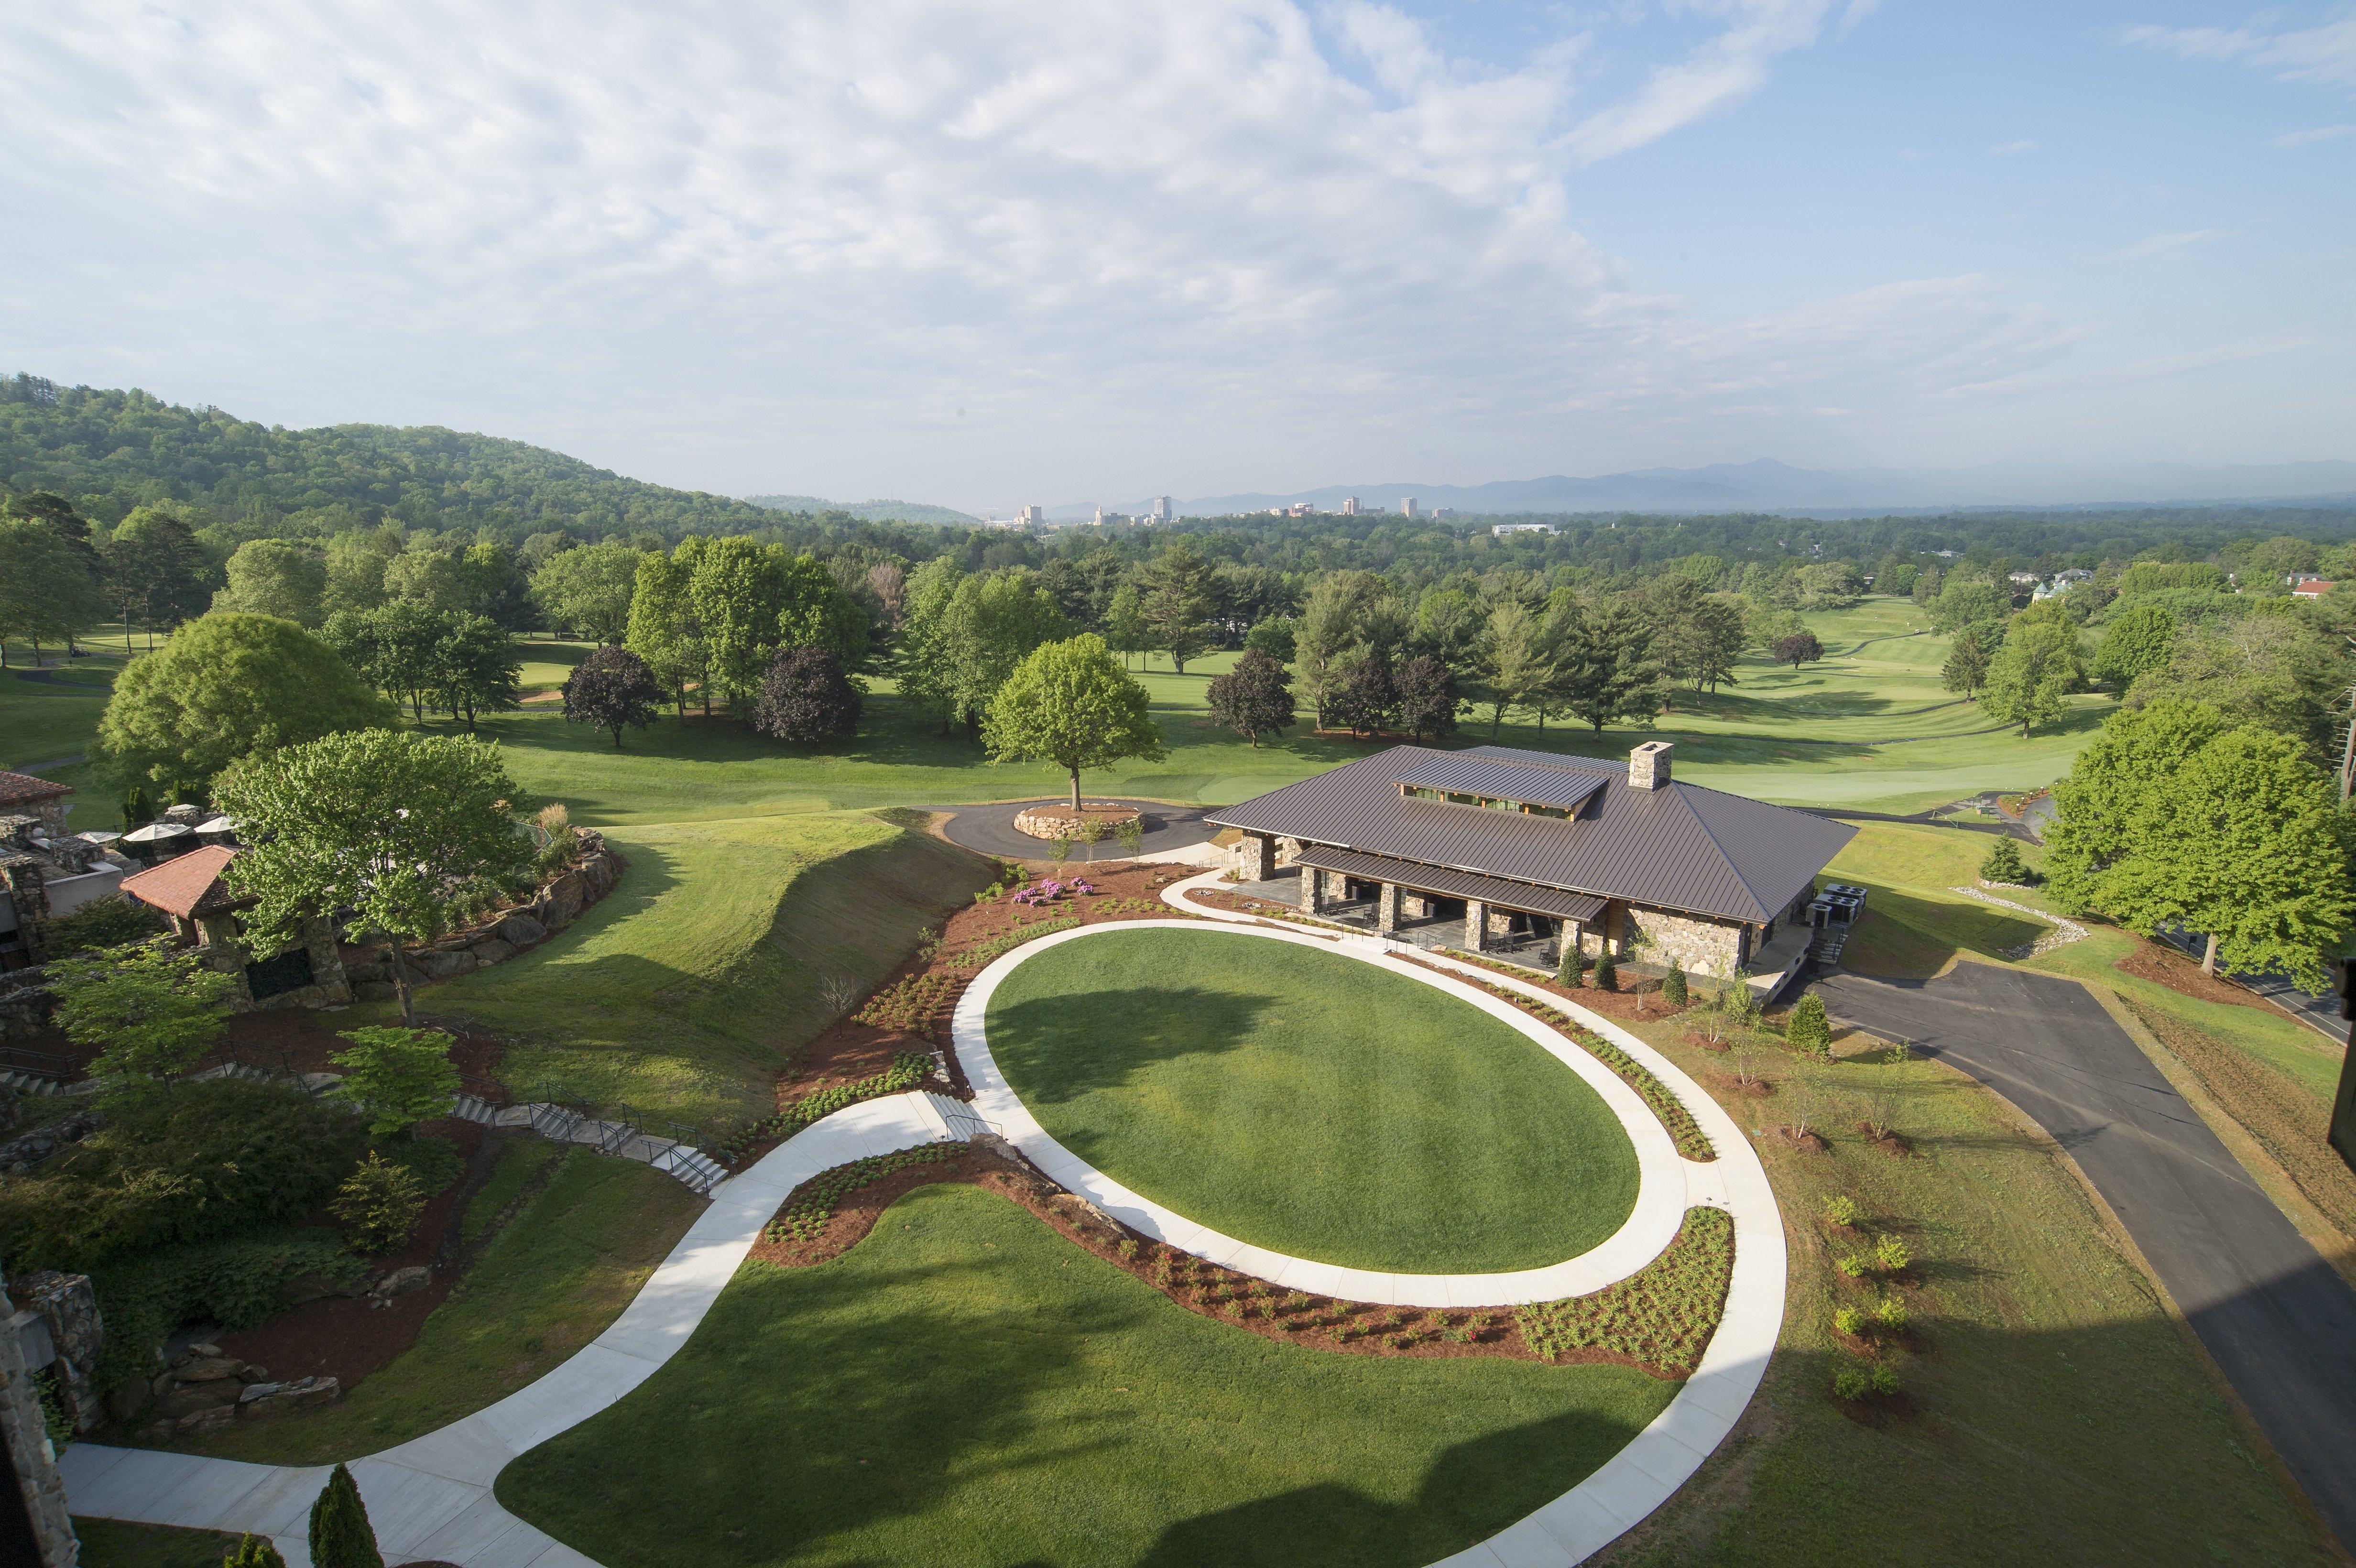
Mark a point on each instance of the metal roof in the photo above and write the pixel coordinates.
(1679, 847)
(1453, 884)
(1470, 774)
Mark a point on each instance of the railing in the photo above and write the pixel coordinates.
(958, 1117)
(39, 1063)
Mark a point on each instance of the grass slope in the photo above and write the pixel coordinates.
(111, 1544)
(1311, 1103)
(684, 991)
(549, 1283)
(2059, 1415)
(966, 1390)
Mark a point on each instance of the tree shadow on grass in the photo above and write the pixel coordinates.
(1055, 1049)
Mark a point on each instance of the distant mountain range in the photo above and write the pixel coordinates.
(873, 511)
(1767, 485)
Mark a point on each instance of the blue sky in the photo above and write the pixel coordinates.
(1078, 249)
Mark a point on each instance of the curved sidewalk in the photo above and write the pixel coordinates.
(1664, 1456)
(1668, 1184)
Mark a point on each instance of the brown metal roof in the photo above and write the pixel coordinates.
(1679, 847)
(1453, 884)
(1470, 774)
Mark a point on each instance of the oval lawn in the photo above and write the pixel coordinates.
(1312, 1102)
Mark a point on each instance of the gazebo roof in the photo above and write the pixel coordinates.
(188, 885)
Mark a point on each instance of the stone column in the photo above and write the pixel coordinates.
(1501, 925)
(1386, 907)
(1312, 889)
(1255, 856)
(1476, 925)
(33, 1460)
(69, 1306)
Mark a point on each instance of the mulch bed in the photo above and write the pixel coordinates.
(1813, 1142)
(343, 1336)
(1891, 1144)
(1758, 1088)
(1203, 1288)
(2166, 966)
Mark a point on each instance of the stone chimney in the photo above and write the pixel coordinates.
(1648, 765)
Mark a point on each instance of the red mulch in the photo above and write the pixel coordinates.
(2166, 966)
(343, 1336)
(1891, 1144)
(1813, 1142)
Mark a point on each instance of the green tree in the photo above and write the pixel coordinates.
(1070, 703)
(587, 592)
(253, 1551)
(1273, 636)
(2031, 676)
(399, 1077)
(58, 516)
(663, 631)
(610, 688)
(2003, 863)
(1965, 602)
(437, 578)
(994, 622)
(1518, 663)
(1966, 669)
(151, 1011)
(341, 1534)
(2117, 797)
(2272, 671)
(1178, 603)
(926, 658)
(1124, 630)
(46, 591)
(1609, 672)
(229, 686)
(157, 570)
(1808, 1029)
(271, 577)
(394, 647)
(356, 563)
(399, 826)
(379, 1204)
(2139, 641)
(1254, 699)
(474, 667)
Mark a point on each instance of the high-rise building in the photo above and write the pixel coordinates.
(1407, 506)
(1163, 511)
(1349, 506)
(1032, 515)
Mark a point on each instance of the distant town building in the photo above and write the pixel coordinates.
(1526, 528)
(1407, 506)
(1032, 515)
(1163, 511)
(1349, 506)
(2312, 587)
(2025, 579)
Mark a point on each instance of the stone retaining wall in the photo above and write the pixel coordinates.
(505, 934)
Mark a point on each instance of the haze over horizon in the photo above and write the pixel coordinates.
(1238, 247)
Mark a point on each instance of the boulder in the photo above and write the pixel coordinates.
(402, 1282)
(599, 872)
(191, 1399)
(206, 1368)
(284, 1397)
(492, 952)
(252, 1392)
(212, 1420)
(376, 991)
(366, 971)
(520, 931)
(443, 965)
(312, 1287)
(566, 897)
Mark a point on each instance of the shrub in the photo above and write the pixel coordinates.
(399, 1076)
(1661, 1317)
(1842, 1210)
(1852, 1266)
(199, 1162)
(809, 1206)
(1891, 1313)
(1884, 1378)
(2003, 864)
(340, 1536)
(114, 921)
(1573, 967)
(1673, 987)
(435, 1162)
(1808, 1029)
(237, 1285)
(1607, 972)
(1852, 1383)
(254, 1552)
(379, 1205)
(1849, 1321)
(1893, 1254)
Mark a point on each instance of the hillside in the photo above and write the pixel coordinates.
(110, 450)
(865, 511)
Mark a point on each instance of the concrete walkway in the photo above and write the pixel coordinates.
(1666, 1186)
(1664, 1456)
(430, 1498)
(2280, 1322)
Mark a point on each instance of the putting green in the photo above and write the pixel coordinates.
(1311, 1103)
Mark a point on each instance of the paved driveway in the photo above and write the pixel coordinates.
(2272, 1312)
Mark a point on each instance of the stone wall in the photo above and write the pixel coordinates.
(33, 1460)
(504, 933)
(1702, 946)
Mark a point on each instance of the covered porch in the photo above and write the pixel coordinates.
(1435, 906)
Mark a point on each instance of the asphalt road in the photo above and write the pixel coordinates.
(2271, 1311)
(990, 828)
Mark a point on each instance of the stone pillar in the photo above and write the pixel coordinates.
(69, 1306)
(1476, 925)
(1255, 856)
(1312, 890)
(1386, 907)
(33, 1460)
(1415, 906)
(1501, 925)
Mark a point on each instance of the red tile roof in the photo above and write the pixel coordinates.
(186, 885)
(16, 788)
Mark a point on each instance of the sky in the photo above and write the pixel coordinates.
(1074, 249)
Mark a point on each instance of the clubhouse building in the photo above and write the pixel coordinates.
(1529, 851)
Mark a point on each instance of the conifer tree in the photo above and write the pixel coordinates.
(340, 1533)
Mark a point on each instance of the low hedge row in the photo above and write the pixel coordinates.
(812, 1204)
(1691, 1141)
(1662, 1317)
(908, 1069)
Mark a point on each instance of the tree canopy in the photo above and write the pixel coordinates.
(229, 687)
(1070, 703)
(1254, 699)
(612, 688)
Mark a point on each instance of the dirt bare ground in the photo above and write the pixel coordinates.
(2166, 966)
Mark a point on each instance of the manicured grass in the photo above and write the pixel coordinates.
(685, 991)
(111, 1544)
(1311, 1103)
(549, 1284)
(2058, 1415)
(966, 1390)
(1914, 924)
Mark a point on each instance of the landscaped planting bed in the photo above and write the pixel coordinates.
(963, 1389)
(1311, 1103)
(1660, 1319)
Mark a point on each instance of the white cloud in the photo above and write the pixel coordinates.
(2313, 135)
(790, 248)
(2006, 149)
(2166, 244)
(2323, 56)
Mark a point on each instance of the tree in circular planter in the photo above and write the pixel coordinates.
(806, 698)
(610, 688)
(1070, 703)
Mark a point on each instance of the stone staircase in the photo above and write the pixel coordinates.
(672, 1157)
(42, 1084)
